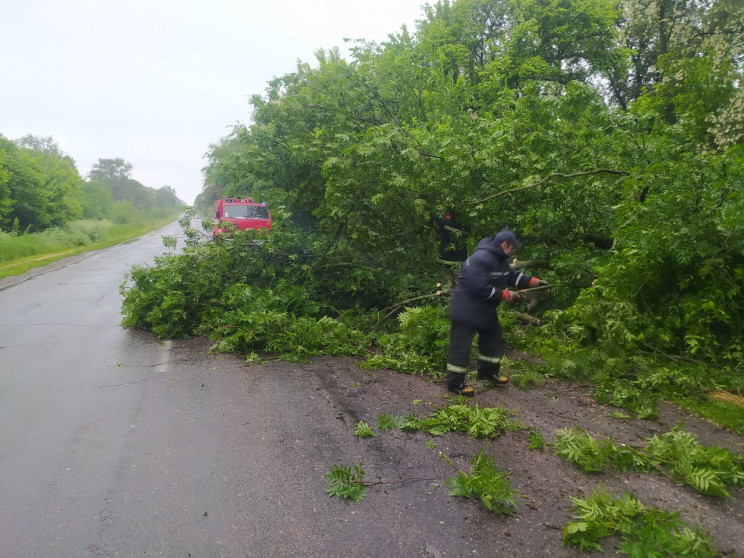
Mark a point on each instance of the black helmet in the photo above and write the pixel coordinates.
(508, 236)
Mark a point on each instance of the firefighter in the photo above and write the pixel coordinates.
(452, 249)
(481, 286)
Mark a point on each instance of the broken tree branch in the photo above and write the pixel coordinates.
(390, 310)
(550, 177)
(374, 483)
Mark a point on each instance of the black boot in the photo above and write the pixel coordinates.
(455, 383)
(487, 370)
(490, 371)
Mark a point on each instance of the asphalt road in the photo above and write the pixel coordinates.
(113, 444)
(72, 383)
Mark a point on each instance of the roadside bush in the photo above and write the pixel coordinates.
(93, 229)
(75, 233)
(123, 212)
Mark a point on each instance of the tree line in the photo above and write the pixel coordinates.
(41, 187)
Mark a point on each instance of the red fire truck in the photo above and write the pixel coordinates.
(241, 214)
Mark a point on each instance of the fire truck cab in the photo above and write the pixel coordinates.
(241, 214)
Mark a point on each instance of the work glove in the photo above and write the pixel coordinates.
(535, 282)
(510, 296)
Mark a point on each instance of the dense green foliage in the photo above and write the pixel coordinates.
(677, 454)
(279, 292)
(645, 531)
(639, 382)
(609, 136)
(41, 188)
(39, 185)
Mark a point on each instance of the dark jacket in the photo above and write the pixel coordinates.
(479, 285)
(452, 248)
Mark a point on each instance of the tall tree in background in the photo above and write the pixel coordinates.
(519, 41)
(116, 176)
(62, 185)
(114, 173)
(44, 187)
(98, 200)
(679, 225)
(6, 204)
(228, 172)
(111, 170)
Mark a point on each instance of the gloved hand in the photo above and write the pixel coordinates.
(535, 282)
(511, 296)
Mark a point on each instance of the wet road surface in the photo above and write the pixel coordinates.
(114, 444)
(71, 381)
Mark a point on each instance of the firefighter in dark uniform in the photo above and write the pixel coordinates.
(483, 282)
(452, 247)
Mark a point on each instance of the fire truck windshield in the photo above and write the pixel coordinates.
(246, 212)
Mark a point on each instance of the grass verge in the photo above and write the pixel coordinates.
(46, 250)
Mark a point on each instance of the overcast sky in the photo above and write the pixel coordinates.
(155, 82)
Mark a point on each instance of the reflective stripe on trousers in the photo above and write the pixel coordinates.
(492, 360)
